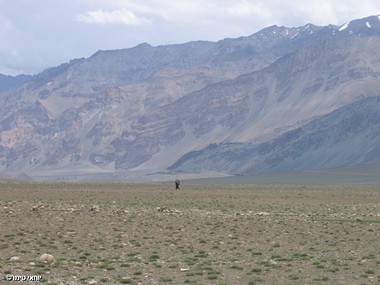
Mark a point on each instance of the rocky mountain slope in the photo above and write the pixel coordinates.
(145, 107)
(347, 136)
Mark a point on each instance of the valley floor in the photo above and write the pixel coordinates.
(204, 234)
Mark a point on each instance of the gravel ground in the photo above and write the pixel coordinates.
(203, 234)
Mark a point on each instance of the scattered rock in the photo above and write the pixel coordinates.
(167, 210)
(95, 208)
(184, 269)
(262, 214)
(14, 258)
(47, 258)
(272, 262)
(121, 211)
(38, 208)
(92, 282)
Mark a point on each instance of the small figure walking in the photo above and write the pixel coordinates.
(177, 183)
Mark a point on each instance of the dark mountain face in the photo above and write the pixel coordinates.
(146, 107)
(347, 136)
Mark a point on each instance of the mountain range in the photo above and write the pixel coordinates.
(280, 100)
(8, 82)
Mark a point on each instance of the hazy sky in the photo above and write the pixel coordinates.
(36, 34)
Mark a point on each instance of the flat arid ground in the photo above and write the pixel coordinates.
(203, 234)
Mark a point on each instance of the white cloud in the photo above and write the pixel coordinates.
(248, 9)
(121, 16)
(5, 26)
(322, 12)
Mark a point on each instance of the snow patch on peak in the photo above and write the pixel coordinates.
(295, 35)
(345, 26)
(378, 17)
(368, 24)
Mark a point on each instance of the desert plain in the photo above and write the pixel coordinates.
(116, 233)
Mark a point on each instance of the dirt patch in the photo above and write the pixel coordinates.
(203, 234)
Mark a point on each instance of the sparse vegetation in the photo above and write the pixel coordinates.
(208, 234)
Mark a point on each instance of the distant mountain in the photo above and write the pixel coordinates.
(347, 136)
(8, 82)
(367, 26)
(237, 106)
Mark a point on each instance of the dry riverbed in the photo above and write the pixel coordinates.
(203, 234)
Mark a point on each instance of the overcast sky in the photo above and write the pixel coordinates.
(36, 34)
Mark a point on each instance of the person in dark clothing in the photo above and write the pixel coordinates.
(177, 183)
